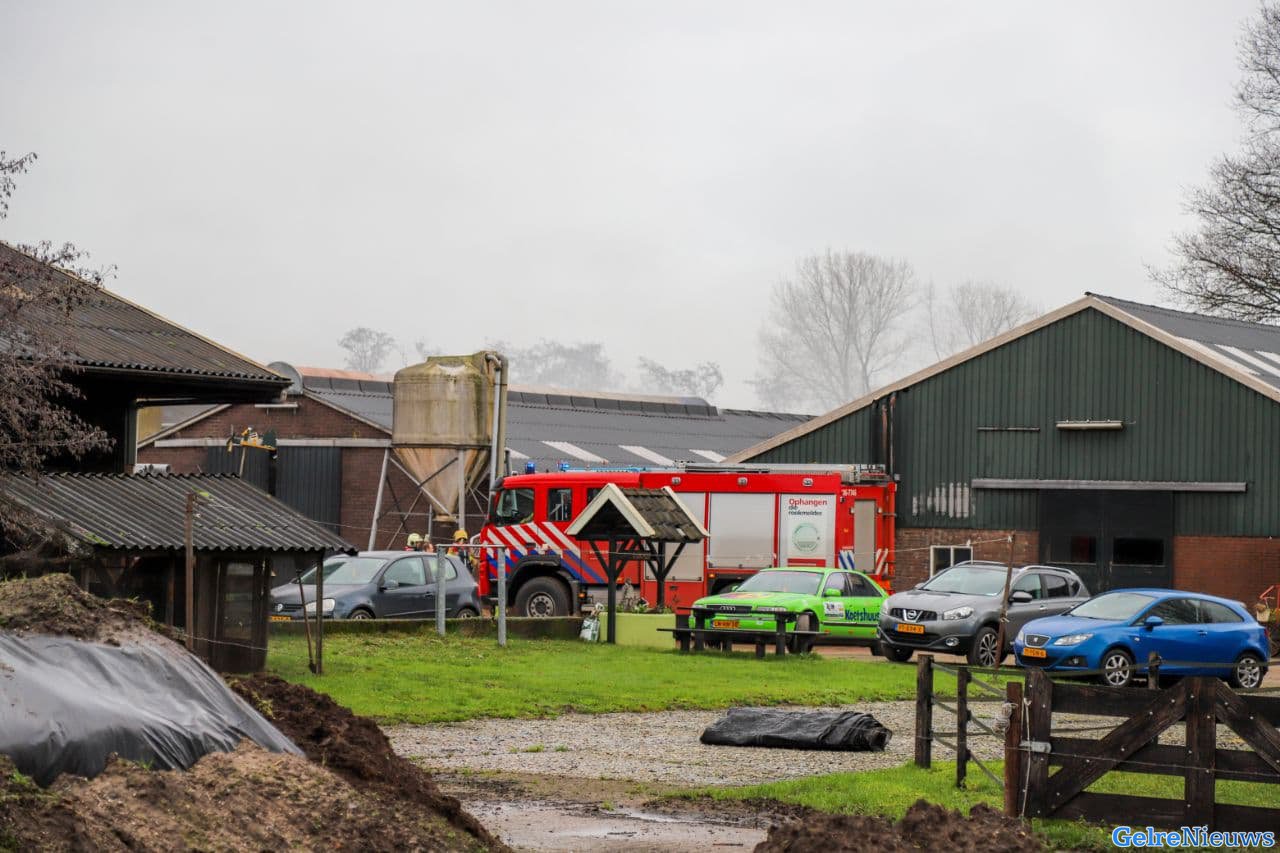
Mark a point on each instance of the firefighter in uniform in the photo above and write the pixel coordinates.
(460, 538)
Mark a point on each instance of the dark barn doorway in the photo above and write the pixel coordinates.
(1112, 539)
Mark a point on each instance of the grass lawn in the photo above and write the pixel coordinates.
(423, 679)
(891, 792)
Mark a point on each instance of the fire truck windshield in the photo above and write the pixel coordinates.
(803, 583)
(514, 506)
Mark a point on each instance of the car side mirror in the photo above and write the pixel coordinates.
(830, 593)
(386, 585)
(1020, 596)
(1152, 621)
(919, 585)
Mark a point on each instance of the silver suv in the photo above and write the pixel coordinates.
(957, 611)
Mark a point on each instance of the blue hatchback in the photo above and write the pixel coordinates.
(1109, 633)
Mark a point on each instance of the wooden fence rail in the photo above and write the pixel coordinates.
(1200, 703)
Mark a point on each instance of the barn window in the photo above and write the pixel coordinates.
(945, 556)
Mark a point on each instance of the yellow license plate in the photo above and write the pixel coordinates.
(1034, 653)
(724, 623)
(281, 619)
(908, 628)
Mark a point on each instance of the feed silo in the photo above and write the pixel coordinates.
(447, 422)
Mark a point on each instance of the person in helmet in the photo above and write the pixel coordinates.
(414, 542)
(460, 538)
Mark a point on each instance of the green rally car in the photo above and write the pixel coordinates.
(835, 602)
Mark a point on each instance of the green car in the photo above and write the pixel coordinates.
(836, 602)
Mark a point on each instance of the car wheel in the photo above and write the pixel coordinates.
(360, 614)
(897, 654)
(467, 613)
(1248, 672)
(542, 598)
(800, 645)
(1117, 668)
(983, 651)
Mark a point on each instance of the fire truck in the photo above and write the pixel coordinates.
(757, 515)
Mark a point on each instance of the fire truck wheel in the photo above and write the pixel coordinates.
(542, 597)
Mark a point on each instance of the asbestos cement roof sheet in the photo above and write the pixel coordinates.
(145, 512)
(110, 332)
(578, 429)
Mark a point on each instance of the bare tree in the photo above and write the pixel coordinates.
(367, 349)
(1230, 265)
(835, 328)
(702, 380)
(973, 312)
(582, 366)
(40, 288)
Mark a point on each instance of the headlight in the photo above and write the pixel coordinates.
(958, 613)
(1018, 639)
(326, 606)
(1072, 639)
(771, 610)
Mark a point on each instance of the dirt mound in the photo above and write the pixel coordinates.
(247, 800)
(55, 604)
(351, 746)
(925, 826)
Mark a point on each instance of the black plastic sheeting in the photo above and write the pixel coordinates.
(773, 727)
(66, 705)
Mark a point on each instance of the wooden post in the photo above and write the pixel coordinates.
(188, 538)
(611, 575)
(1013, 756)
(1153, 672)
(962, 724)
(1202, 744)
(319, 612)
(1039, 727)
(170, 581)
(1004, 605)
(924, 711)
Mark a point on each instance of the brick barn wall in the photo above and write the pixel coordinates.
(1232, 567)
(360, 466)
(913, 544)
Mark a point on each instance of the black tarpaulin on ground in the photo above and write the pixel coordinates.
(66, 705)
(774, 727)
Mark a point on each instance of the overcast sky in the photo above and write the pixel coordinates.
(272, 174)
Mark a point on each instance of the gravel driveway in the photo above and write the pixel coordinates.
(653, 747)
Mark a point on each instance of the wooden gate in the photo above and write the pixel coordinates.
(1032, 748)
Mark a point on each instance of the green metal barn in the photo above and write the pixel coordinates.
(1135, 444)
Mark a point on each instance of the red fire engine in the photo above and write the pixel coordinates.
(758, 516)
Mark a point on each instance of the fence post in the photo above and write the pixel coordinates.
(924, 711)
(1013, 756)
(1153, 671)
(962, 724)
(1039, 727)
(441, 602)
(502, 596)
(1202, 743)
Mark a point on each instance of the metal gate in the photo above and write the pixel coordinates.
(1112, 539)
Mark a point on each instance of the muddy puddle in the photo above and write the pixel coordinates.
(534, 825)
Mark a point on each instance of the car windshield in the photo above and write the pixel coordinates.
(968, 580)
(1113, 606)
(804, 583)
(347, 570)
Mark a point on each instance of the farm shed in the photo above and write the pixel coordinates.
(125, 356)
(1132, 443)
(125, 536)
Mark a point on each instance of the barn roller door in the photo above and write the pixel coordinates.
(1112, 539)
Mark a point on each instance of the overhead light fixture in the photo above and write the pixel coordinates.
(1090, 424)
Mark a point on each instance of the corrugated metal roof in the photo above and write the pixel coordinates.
(144, 512)
(609, 427)
(1250, 348)
(108, 331)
